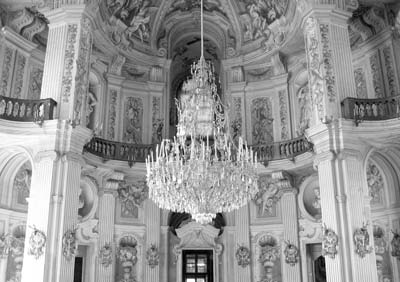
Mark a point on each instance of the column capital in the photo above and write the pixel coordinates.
(70, 14)
(114, 80)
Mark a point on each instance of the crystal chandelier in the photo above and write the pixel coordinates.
(201, 171)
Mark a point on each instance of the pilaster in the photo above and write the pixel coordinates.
(66, 66)
(3, 266)
(114, 86)
(105, 272)
(330, 72)
(153, 232)
(343, 193)
(242, 224)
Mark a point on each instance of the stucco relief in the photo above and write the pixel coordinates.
(69, 58)
(268, 253)
(327, 60)
(315, 62)
(16, 245)
(6, 71)
(382, 252)
(91, 103)
(19, 76)
(129, 21)
(82, 70)
(284, 115)
(375, 183)
(236, 122)
(35, 83)
(262, 121)
(127, 258)
(22, 183)
(376, 75)
(267, 196)
(361, 83)
(258, 17)
(157, 121)
(133, 119)
(305, 109)
(390, 70)
(112, 114)
(132, 196)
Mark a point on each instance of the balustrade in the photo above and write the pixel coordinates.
(26, 110)
(371, 109)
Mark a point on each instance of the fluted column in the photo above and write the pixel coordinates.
(105, 273)
(344, 202)
(291, 273)
(153, 229)
(54, 202)
(3, 267)
(66, 65)
(242, 224)
(329, 57)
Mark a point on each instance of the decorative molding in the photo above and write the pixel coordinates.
(243, 256)
(6, 71)
(262, 121)
(390, 70)
(157, 121)
(152, 256)
(361, 83)
(284, 115)
(106, 255)
(133, 120)
(116, 64)
(236, 125)
(327, 61)
(361, 241)
(376, 75)
(37, 243)
(291, 254)
(69, 244)
(69, 59)
(112, 116)
(35, 83)
(132, 196)
(375, 183)
(19, 76)
(329, 242)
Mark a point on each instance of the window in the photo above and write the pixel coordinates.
(197, 266)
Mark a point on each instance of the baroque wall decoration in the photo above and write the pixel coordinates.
(22, 183)
(152, 256)
(106, 255)
(37, 243)
(262, 121)
(361, 83)
(267, 196)
(19, 76)
(390, 70)
(91, 103)
(381, 252)
(327, 60)
(395, 244)
(35, 83)
(132, 196)
(69, 58)
(133, 119)
(376, 75)
(82, 70)
(157, 121)
(16, 244)
(329, 242)
(291, 254)
(315, 74)
(361, 241)
(305, 108)
(243, 256)
(236, 121)
(6, 71)
(375, 183)
(70, 244)
(127, 258)
(269, 255)
(283, 111)
(112, 114)
(129, 21)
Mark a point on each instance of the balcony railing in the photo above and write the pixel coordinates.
(132, 153)
(371, 109)
(110, 150)
(26, 110)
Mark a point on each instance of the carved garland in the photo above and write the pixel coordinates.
(284, 115)
(327, 59)
(236, 123)
(82, 72)
(329, 242)
(112, 114)
(69, 244)
(152, 256)
(243, 256)
(391, 78)
(376, 76)
(6, 71)
(361, 84)
(69, 61)
(37, 243)
(158, 123)
(19, 76)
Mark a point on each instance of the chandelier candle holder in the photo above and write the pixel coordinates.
(201, 171)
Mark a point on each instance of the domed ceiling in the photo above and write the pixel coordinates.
(159, 28)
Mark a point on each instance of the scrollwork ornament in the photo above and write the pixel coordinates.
(105, 255)
(243, 256)
(395, 243)
(152, 256)
(291, 254)
(70, 244)
(329, 242)
(37, 243)
(361, 241)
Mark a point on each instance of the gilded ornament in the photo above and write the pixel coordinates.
(105, 255)
(243, 256)
(361, 241)
(152, 256)
(37, 243)
(69, 244)
(291, 253)
(329, 242)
